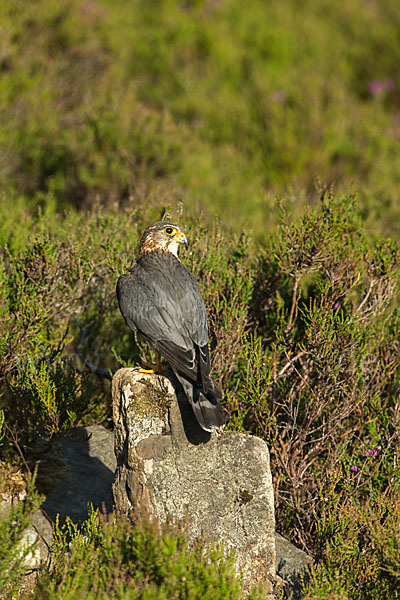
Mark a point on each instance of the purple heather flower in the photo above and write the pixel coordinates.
(354, 469)
(375, 87)
(370, 452)
(336, 306)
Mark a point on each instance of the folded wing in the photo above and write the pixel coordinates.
(166, 307)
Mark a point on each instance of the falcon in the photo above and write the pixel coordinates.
(160, 299)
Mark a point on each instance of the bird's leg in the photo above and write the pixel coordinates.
(159, 367)
(150, 369)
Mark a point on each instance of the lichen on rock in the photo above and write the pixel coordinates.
(218, 485)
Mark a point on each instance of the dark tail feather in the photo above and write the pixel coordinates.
(206, 407)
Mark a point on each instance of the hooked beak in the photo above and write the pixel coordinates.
(182, 239)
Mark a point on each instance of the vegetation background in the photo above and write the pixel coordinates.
(271, 132)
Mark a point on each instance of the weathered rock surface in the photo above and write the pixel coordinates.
(30, 549)
(292, 566)
(219, 485)
(83, 470)
(88, 459)
(88, 473)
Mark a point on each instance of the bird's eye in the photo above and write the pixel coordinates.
(170, 230)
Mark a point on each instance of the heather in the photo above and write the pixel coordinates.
(270, 132)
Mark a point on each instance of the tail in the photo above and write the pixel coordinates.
(206, 406)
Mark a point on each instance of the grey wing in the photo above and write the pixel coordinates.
(172, 318)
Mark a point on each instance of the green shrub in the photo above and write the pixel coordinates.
(14, 521)
(310, 323)
(121, 560)
(201, 109)
(319, 381)
(220, 105)
(359, 543)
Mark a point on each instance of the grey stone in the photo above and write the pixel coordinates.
(88, 471)
(30, 550)
(292, 565)
(87, 477)
(220, 485)
(88, 466)
(43, 529)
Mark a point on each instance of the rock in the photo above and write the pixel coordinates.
(30, 550)
(88, 466)
(220, 486)
(88, 474)
(43, 529)
(292, 565)
(35, 540)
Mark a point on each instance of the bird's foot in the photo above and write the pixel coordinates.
(152, 369)
(147, 371)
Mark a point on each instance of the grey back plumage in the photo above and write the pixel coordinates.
(160, 299)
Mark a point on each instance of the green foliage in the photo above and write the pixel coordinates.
(55, 397)
(121, 560)
(321, 379)
(310, 324)
(13, 550)
(59, 317)
(217, 103)
(195, 109)
(359, 543)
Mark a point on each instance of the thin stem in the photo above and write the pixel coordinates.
(294, 299)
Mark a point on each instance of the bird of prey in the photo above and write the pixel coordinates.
(160, 299)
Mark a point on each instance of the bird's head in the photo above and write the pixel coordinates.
(164, 237)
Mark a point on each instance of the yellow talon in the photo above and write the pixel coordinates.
(153, 369)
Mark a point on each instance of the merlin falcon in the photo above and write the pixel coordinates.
(160, 299)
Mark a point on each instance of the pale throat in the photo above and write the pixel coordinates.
(173, 248)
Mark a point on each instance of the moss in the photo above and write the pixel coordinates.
(150, 401)
(12, 482)
(244, 497)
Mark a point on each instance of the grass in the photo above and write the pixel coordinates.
(222, 108)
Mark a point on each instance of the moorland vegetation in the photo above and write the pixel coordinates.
(270, 132)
